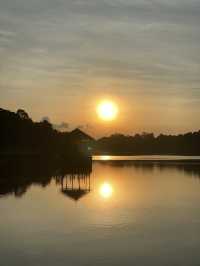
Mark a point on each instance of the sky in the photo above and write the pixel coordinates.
(59, 58)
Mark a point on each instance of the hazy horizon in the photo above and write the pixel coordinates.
(60, 58)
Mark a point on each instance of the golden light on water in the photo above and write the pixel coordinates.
(105, 157)
(106, 190)
(107, 110)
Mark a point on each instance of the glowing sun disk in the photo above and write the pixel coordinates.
(107, 110)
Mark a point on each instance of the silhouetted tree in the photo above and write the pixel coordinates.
(147, 143)
(22, 114)
(19, 134)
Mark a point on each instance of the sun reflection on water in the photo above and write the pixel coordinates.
(106, 190)
(105, 157)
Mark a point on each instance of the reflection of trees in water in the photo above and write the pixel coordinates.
(17, 176)
(190, 168)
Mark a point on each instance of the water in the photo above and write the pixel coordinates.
(130, 213)
(145, 158)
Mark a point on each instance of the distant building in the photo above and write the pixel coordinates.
(83, 140)
(79, 135)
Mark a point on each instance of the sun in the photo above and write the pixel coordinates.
(107, 110)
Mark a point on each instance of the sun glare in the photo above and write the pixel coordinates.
(105, 157)
(107, 110)
(106, 190)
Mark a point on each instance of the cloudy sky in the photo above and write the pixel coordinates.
(60, 57)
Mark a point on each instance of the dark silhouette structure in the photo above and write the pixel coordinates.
(75, 186)
(20, 136)
(148, 144)
(74, 179)
(18, 174)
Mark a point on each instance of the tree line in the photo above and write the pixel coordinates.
(20, 134)
(148, 144)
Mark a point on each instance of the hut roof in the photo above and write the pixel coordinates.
(75, 194)
(80, 135)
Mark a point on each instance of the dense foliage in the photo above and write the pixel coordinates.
(147, 143)
(19, 134)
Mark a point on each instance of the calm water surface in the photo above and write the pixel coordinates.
(145, 158)
(126, 214)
